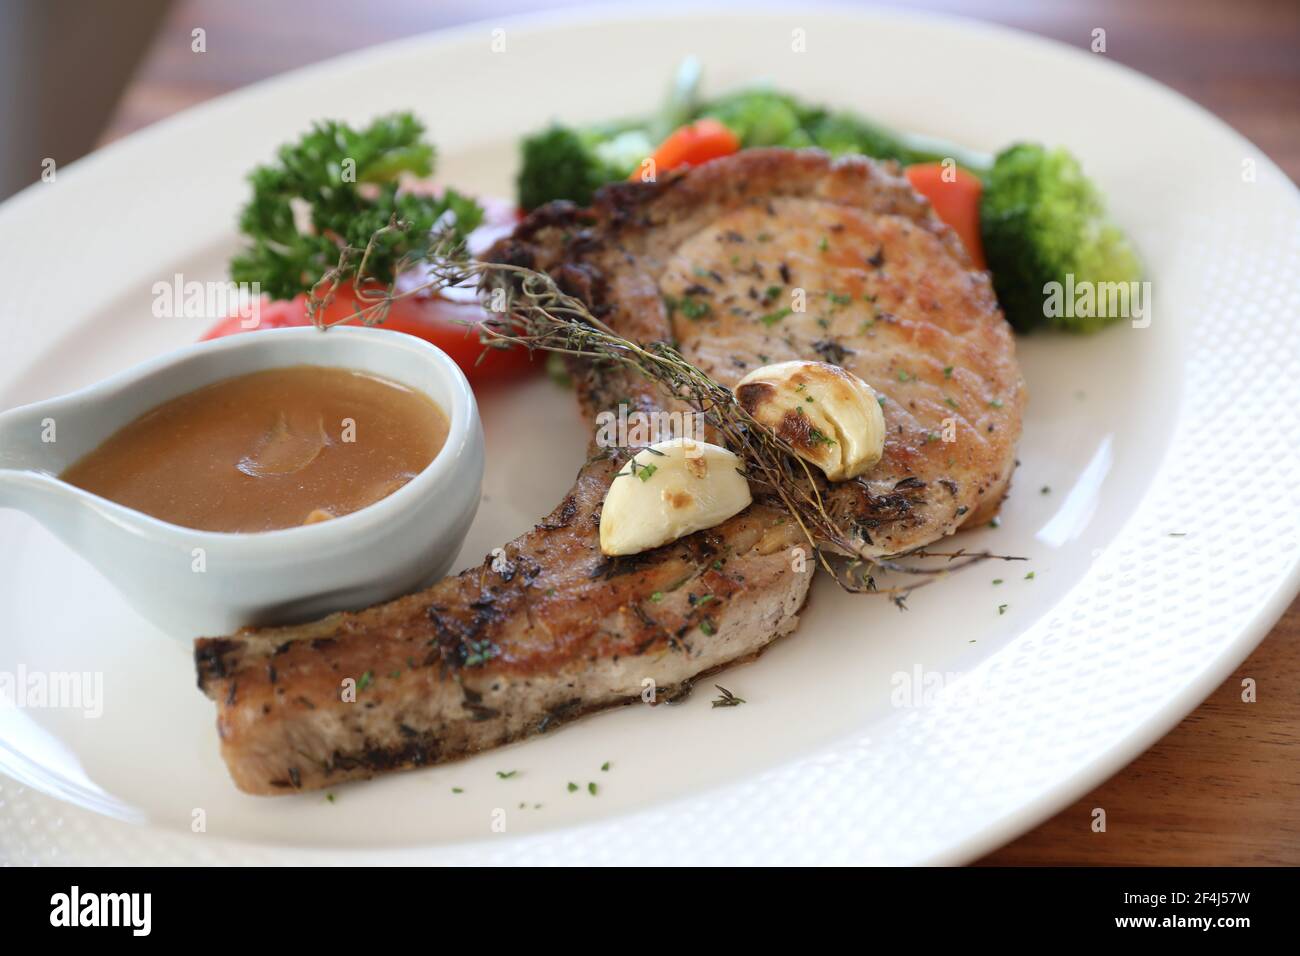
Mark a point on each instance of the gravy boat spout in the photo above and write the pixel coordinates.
(193, 582)
(29, 459)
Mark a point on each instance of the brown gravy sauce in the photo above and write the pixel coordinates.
(268, 450)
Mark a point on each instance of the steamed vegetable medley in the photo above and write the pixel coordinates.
(1028, 214)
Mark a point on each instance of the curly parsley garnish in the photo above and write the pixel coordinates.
(336, 187)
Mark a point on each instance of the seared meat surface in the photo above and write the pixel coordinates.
(715, 259)
(775, 255)
(510, 648)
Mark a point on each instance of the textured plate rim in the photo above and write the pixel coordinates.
(1017, 819)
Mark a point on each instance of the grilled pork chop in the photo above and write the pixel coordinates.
(715, 259)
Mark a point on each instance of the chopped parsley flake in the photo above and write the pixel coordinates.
(694, 309)
(478, 653)
(506, 774)
(774, 317)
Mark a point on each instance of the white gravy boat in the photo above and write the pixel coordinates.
(195, 583)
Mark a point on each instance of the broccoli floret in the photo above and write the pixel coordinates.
(760, 118)
(560, 163)
(1041, 219)
(766, 118)
(840, 133)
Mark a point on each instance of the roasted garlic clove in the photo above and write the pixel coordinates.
(670, 489)
(828, 415)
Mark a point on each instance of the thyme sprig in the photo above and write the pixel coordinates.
(726, 698)
(529, 309)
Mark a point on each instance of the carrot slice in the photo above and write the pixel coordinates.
(955, 195)
(691, 145)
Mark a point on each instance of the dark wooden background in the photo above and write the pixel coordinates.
(1224, 786)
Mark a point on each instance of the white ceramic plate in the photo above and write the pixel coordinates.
(1183, 428)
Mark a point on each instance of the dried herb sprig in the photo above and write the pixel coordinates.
(529, 309)
(726, 698)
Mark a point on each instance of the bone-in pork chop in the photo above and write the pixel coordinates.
(762, 257)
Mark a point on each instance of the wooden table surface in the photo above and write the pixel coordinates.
(1223, 788)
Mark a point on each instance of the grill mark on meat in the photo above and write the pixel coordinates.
(832, 351)
(211, 658)
(562, 516)
(613, 567)
(464, 643)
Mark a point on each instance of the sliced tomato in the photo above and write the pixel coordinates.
(448, 321)
(271, 315)
(448, 324)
